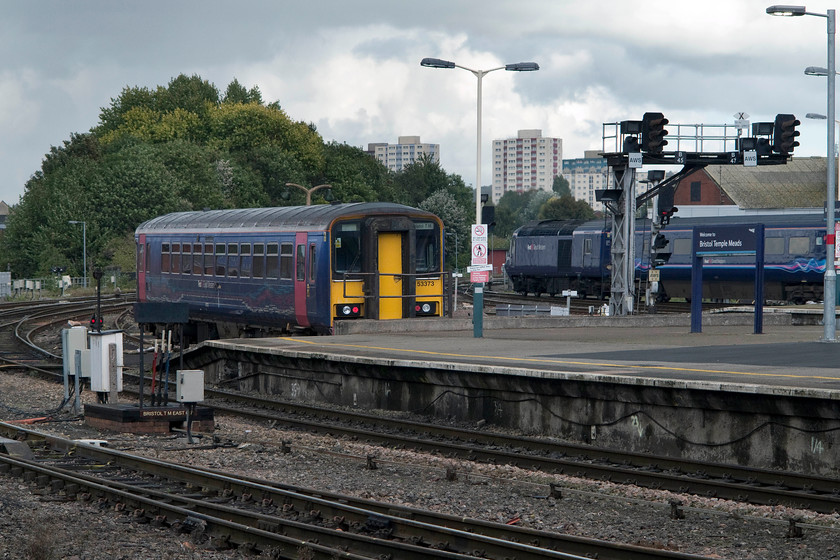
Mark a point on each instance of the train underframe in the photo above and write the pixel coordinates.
(555, 285)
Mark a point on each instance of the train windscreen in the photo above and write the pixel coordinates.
(347, 247)
(428, 247)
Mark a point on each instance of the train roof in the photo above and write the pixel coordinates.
(290, 218)
(549, 228)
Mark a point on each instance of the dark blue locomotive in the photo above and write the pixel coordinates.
(281, 269)
(552, 256)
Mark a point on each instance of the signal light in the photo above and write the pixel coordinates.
(654, 133)
(785, 133)
(96, 323)
(665, 215)
(660, 242)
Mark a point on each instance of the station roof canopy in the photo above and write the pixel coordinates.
(801, 183)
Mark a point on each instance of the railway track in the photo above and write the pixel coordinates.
(281, 518)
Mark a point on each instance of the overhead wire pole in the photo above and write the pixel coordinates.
(478, 291)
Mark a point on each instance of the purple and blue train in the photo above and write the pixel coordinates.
(258, 270)
(551, 256)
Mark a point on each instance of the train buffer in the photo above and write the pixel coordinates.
(520, 310)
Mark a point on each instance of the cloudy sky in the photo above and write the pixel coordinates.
(352, 67)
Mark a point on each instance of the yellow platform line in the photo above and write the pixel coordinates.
(564, 362)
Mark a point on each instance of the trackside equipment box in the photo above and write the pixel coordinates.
(189, 386)
(100, 364)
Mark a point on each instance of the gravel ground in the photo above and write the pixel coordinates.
(712, 528)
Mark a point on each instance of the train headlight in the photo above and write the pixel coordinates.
(425, 308)
(349, 310)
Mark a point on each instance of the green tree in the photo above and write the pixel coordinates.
(443, 205)
(560, 186)
(565, 208)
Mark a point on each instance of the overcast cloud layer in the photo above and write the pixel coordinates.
(352, 67)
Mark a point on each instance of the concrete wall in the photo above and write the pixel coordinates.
(786, 429)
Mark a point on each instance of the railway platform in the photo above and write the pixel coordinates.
(769, 400)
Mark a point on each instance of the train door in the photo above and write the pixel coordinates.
(141, 267)
(313, 306)
(390, 269)
(301, 286)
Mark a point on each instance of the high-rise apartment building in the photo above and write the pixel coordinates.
(529, 161)
(586, 175)
(407, 151)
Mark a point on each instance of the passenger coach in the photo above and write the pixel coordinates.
(279, 269)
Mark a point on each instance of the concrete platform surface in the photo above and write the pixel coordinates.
(783, 357)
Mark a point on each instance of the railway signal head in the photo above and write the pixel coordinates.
(654, 133)
(665, 215)
(785, 133)
(96, 323)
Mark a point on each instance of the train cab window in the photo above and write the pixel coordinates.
(587, 245)
(312, 262)
(176, 258)
(258, 261)
(164, 257)
(300, 263)
(271, 261)
(287, 261)
(209, 261)
(799, 246)
(682, 246)
(232, 260)
(428, 247)
(774, 246)
(347, 248)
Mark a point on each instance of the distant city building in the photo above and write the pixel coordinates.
(407, 151)
(586, 175)
(527, 162)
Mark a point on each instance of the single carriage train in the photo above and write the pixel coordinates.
(281, 269)
(552, 256)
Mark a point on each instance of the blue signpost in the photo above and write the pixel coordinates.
(726, 241)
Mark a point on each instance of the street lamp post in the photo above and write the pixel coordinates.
(830, 276)
(84, 249)
(308, 191)
(478, 293)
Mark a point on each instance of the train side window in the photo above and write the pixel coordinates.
(209, 261)
(233, 260)
(245, 260)
(197, 259)
(164, 257)
(258, 264)
(312, 267)
(799, 246)
(221, 261)
(287, 263)
(300, 264)
(176, 258)
(148, 258)
(682, 246)
(587, 246)
(774, 245)
(186, 258)
(271, 261)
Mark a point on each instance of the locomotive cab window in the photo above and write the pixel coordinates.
(428, 248)
(347, 248)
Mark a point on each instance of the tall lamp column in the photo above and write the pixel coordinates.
(478, 291)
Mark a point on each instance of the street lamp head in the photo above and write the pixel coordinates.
(522, 67)
(786, 10)
(816, 71)
(436, 63)
(815, 116)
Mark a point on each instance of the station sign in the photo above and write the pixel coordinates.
(480, 277)
(480, 268)
(479, 253)
(724, 240)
